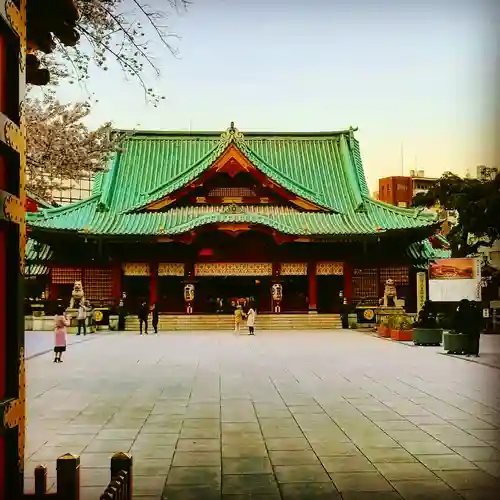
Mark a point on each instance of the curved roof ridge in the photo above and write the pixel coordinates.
(139, 134)
(408, 212)
(45, 213)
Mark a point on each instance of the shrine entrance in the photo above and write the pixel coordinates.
(231, 289)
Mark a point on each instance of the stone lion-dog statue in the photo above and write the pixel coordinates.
(77, 295)
(390, 294)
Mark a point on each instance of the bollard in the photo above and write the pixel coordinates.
(68, 477)
(123, 462)
(40, 481)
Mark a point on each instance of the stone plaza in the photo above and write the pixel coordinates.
(302, 415)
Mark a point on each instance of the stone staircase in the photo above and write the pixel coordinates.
(218, 322)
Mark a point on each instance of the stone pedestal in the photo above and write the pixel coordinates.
(28, 323)
(72, 314)
(43, 323)
(384, 313)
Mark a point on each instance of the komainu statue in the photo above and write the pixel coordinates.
(77, 295)
(390, 294)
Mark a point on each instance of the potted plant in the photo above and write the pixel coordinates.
(383, 329)
(426, 330)
(466, 331)
(401, 329)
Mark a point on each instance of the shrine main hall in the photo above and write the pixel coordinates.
(231, 214)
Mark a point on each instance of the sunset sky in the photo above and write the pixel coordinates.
(416, 77)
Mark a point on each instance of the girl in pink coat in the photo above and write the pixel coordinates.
(61, 322)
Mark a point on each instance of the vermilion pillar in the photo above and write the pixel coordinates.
(313, 286)
(153, 283)
(347, 281)
(116, 281)
(12, 247)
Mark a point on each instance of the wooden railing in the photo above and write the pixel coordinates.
(68, 479)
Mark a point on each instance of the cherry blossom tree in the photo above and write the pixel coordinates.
(60, 147)
(106, 31)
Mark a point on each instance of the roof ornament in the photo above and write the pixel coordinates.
(230, 135)
(351, 132)
(232, 209)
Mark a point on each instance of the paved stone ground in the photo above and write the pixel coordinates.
(37, 343)
(302, 415)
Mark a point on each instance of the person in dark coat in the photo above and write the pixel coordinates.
(155, 317)
(122, 314)
(143, 318)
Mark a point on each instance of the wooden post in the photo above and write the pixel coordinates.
(40, 481)
(68, 477)
(313, 287)
(123, 462)
(347, 282)
(153, 282)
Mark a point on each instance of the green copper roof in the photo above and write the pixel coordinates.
(86, 216)
(36, 255)
(324, 168)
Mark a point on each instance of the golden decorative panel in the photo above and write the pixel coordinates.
(330, 268)
(170, 269)
(15, 412)
(65, 275)
(233, 269)
(293, 269)
(136, 269)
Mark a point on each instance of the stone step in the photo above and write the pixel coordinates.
(226, 322)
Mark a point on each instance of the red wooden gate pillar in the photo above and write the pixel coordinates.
(153, 283)
(116, 281)
(348, 282)
(313, 287)
(12, 247)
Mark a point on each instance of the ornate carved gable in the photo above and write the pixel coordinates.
(232, 179)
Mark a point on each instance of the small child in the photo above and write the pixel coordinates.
(61, 322)
(238, 317)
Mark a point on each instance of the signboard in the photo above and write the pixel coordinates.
(421, 291)
(451, 280)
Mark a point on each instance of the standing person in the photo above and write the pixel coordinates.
(155, 316)
(81, 318)
(60, 337)
(122, 314)
(143, 317)
(238, 317)
(251, 320)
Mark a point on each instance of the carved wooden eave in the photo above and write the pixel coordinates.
(232, 162)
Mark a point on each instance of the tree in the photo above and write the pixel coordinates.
(105, 29)
(477, 205)
(60, 147)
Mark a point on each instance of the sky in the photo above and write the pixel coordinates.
(417, 78)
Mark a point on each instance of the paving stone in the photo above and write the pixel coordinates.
(312, 491)
(304, 457)
(446, 462)
(358, 463)
(360, 481)
(247, 465)
(301, 474)
(469, 480)
(424, 489)
(249, 484)
(403, 471)
(203, 476)
(392, 455)
(191, 458)
(289, 400)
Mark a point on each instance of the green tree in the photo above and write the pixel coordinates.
(476, 204)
